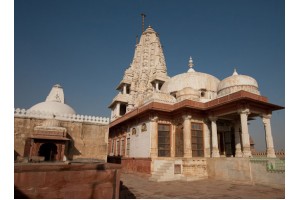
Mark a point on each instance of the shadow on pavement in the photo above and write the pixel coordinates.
(125, 193)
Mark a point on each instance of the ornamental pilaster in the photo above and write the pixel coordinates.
(154, 136)
(187, 136)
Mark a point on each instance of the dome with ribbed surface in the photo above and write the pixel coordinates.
(195, 80)
(237, 82)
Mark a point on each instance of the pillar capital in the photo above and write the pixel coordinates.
(266, 118)
(153, 119)
(244, 111)
(187, 117)
(213, 118)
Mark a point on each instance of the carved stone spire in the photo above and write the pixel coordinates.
(148, 65)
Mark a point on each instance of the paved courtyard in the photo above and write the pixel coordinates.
(138, 186)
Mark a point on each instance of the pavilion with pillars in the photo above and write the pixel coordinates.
(161, 123)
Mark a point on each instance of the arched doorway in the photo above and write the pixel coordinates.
(49, 151)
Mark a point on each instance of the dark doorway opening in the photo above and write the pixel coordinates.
(122, 109)
(49, 151)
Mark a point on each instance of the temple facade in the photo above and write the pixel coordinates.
(162, 124)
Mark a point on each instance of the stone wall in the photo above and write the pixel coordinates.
(271, 177)
(87, 140)
(195, 168)
(232, 169)
(73, 181)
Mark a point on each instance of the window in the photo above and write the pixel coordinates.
(197, 140)
(128, 147)
(163, 140)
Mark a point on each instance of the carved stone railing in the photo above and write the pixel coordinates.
(66, 117)
(271, 164)
(279, 154)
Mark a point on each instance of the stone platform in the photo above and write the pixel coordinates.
(138, 186)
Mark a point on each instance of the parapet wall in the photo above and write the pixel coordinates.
(73, 181)
(245, 170)
(66, 117)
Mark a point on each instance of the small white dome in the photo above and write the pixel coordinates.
(54, 103)
(53, 108)
(195, 80)
(236, 83)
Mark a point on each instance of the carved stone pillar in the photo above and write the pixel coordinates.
(214, 137)
(187, 136)
(269, 138)
(245, 134)
(173, 132)
(154, 136)
(124, 89)
(118, 109)
(237, 138)
(156, 86)
(206, 139)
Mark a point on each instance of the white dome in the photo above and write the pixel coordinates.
(195, 80)
(54, 103)
(237, 82)
(53, 108)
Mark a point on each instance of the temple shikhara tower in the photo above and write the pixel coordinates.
(147, 72)
(169, 127)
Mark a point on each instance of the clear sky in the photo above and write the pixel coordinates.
(86, 45)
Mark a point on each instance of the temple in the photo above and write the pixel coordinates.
(161, 123)
(52, 131)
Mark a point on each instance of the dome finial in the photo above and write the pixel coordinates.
(234, 72)
(191, 64)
